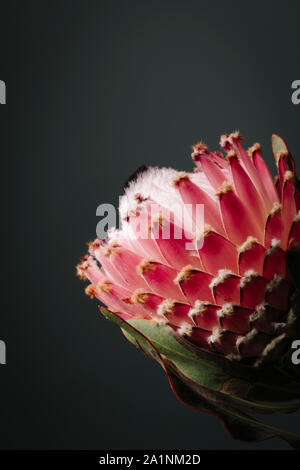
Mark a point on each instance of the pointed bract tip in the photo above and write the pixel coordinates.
(105, 286)
(81, 268)
(226, 141)
(198, 149)
(225, 187)
(252, 150)
(216, 336)
(94, 245)
(199, 235)
(274, 346)
(236, 136)
(223, 274)
(248, 277)
(207, 230)
(199, 308)
(276, 209)
(91, 291)
(231, 155)
(185, 329)
(225, 311)
(139, 296)
(274, 283)
(139, 197)
(145, 265)
(167, 306)
(185, 274)
(247, 245)
(261, 309)
(182, 176)
(275, 245)
(199, 146)
(247, 338)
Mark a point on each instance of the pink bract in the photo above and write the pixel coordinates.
(231, 294)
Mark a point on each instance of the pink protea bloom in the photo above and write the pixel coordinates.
(214, 299)
(231, 296)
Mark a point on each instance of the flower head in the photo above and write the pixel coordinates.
(209, 257)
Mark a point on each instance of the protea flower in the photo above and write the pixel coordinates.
(216, 303)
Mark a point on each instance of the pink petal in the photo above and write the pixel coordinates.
(226, 288)
(246, 191)
(235, 318)
(176, 251)
(178, 314)
(215, 174)
(199, 337)
(253, 344)
(193, 195)
(273, 228)
(237, 220)
(274, 262)
(278, 293)
(195, 284)
(160, 279)
(217, 253)
(205, 315)
(268, 188)
(253, 289)
(101, 253)
(251, 256)
(225, 343)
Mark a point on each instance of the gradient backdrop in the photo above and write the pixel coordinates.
(94, 90)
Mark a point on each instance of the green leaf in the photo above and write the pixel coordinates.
(209, 370)
(278, 145)
(197, 369)
(239, 425)
(185, 372)
(268, 383)
(212, 375)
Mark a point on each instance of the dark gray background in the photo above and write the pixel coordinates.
(94, 90)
